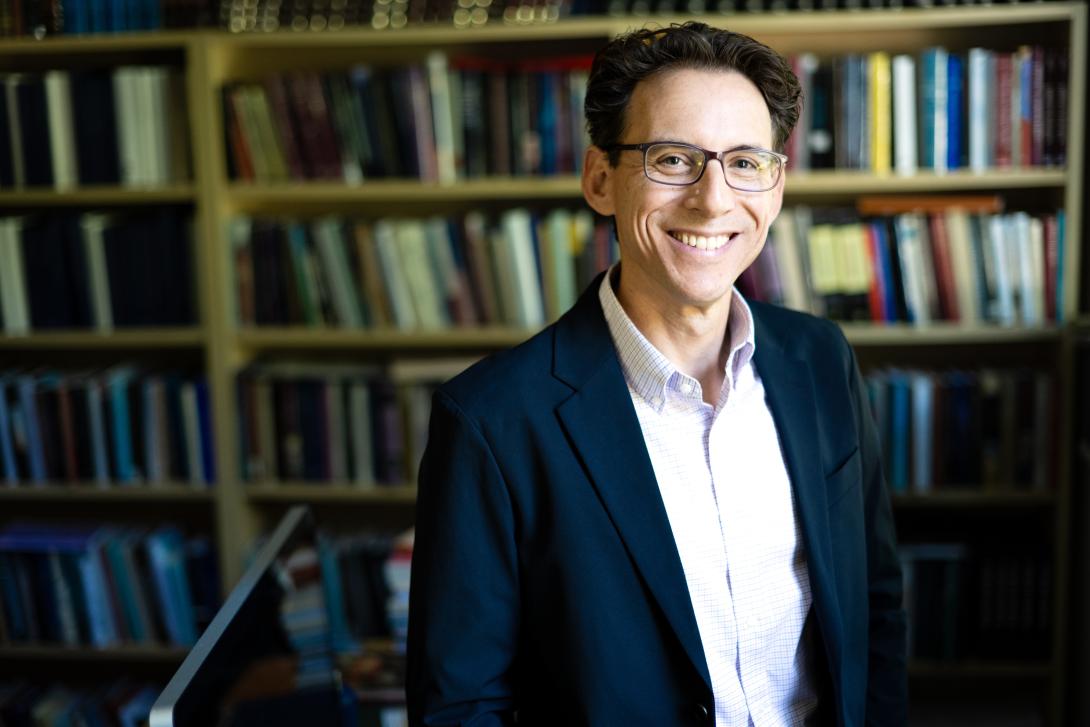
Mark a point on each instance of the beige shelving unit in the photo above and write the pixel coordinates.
(236, 513)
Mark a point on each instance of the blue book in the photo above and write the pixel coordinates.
(98, 16)
(547, 120)
(29, 406)
(16, 617)
(900, 416)
(117, 386)
(127, 595)
(77, 17)
(927, 109)
(116, 21)
(885, 272)
(153, 18)
(955, 110)
(7, 450)
(166, 556)
(923, 388)
(340, 635)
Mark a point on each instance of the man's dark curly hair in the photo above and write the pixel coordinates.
(635, 56)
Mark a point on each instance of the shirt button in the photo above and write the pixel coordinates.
(656, 400)
(686, 388)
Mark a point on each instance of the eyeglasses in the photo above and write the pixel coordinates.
(748, 169)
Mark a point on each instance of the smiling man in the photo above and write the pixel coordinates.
(668, 507)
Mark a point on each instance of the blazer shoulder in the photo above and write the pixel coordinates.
(798, 331)
(503, 379)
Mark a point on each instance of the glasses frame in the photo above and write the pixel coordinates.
(709, 155)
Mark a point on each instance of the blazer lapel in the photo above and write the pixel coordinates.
(606, 435)
(790, 394)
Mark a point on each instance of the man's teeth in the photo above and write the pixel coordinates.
(703, 243)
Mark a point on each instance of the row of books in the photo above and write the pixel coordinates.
(127, 125)
(102, 586)
(118, 426)
(440, 121)
(340, 424)
(518, 268)
(79, 17)
(938, 110)
(915, 260)
(993, 429)
(976, 602)
(96, 270)
(125, 703)
(315, 15)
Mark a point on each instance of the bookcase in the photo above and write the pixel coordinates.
(235, 511)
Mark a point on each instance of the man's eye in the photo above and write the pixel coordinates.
(674, 160)
(745, 164)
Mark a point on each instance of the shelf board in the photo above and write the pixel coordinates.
(401, 190)
(317, 492)
(973, 499)
(98, 43)
(98, 195)
(136, 654)
(840, 181)
(92, 492)
(144, 338)
(308, 338)
(980, 670)
(901, 334)
(488, 189)
(859, 334)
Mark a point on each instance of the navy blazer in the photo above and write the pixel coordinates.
(546, 585)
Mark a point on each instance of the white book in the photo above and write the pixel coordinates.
(159, 110)
(93, 227)
(940, 118)
(824, 269)
(959, 236)
(62, 135)
(444, 269)
(905, 160)
(359, 422)
(785, 246)
(15, 133)
(908, 244)
(335, 427)
(129, 136)
(330, 244)
(560, 226)
(1004, 270)
(148, 118)
(927, 266)
(979, 109)
(191, 433)
(442, 115)
(1030, 268)
(517, 229)
(401, 303)
(13, 294)
(412, 249)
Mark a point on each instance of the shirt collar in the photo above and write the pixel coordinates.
(647, 369)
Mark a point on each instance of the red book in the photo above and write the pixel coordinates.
(240, 149)
(68, 433)
(285, 128)
(877, 293)
(1003, 100)
(1037, 99)
(944, 269)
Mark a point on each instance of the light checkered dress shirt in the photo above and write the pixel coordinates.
(725, 486)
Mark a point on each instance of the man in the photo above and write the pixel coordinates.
(668, 507)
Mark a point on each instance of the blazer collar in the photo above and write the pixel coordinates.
(601, 423)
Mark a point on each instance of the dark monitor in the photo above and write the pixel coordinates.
(268, 656)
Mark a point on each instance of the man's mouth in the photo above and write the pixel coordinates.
(703, 242)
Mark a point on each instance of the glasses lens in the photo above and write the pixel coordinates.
(673, 163)
(752, 170)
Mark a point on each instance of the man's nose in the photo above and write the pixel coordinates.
(711, 193)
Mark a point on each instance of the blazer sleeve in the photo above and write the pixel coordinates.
(887, 673)
(464, 595)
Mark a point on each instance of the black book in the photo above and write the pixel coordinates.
(97, 156)
(313, 422)
(49, 428)
(821, 139)
(897, 278)
(7, 161)
(34, 124)
(474, 122)
(123, 272)
(179, 455)
(78, 275)
(268, 283)
(397, 87)
(46, 277)
(77, 392)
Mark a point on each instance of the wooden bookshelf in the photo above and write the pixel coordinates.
(136, 655)
(212, 58)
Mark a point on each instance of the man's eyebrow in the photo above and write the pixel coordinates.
(736, 147)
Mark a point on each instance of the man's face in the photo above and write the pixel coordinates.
(657, 223)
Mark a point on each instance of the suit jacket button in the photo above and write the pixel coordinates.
(700, 712)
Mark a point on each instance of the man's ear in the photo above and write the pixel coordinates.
(597, 181)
